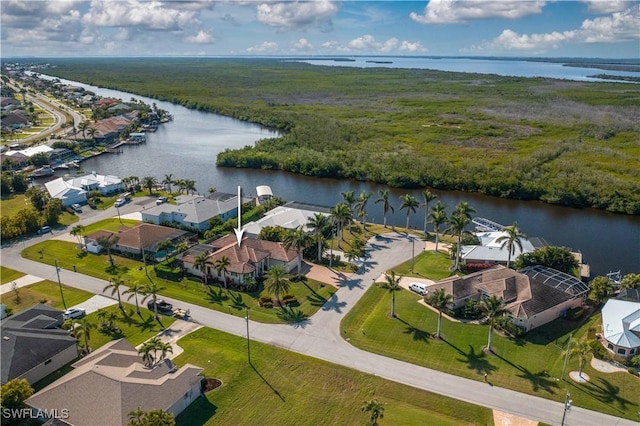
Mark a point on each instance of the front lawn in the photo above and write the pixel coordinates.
(532, 364)
(7, 275)
(311, 294)
(282, 387)
(434, 266)
(47, 292)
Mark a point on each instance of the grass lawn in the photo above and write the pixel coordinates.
(518, 364)
(287, 388)
(11, 205)
(311, 294)
(112, 224)
(47, 292)
(434, 266)
(7, 275)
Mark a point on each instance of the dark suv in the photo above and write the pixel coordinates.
(162, 305)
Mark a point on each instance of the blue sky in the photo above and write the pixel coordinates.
(589, 28)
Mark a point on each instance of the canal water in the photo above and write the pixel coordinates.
(187, 147)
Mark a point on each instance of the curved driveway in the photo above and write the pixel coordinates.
(320, 337)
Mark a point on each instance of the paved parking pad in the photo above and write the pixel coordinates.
(95, 303)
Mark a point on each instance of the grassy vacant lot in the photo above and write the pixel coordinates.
(282, 387)
(7, 275)
(47, 292)
(10, 206)
(310, 294)
(518, 364)
(563, 142)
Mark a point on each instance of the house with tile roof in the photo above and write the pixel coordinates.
(534, 296)
(621, 327)
(34, 345)
(108, 384)
(251, 259)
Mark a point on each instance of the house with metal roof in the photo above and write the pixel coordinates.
(490, 249)
(34, 345)
(290, 216)
(621, 327)
(108, 384)
(534, 296)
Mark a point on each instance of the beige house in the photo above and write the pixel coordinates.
(108, 384)
(534, 296)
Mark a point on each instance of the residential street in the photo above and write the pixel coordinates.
(320, 336)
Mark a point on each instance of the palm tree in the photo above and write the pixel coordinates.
(361, 206)
(386, 205)
(212, 189)
(341, 214)
(190, 185)
(220, 266)
(391, 283)
(133, 291)
(512, 238)
(457, 225)
(106, 242)
(200, 263)
(463, 209)
(298, 240)
(82, 328)
(83, 127)
(164, 349)
(582, 351)
(164, 245)
(77, 231)
(492, 308)
(147, 354)
(149, 182)
(349, 197)
(181, 184)
(168, 180)
(439, 299)
(410, 203)
(438, 217)
(115, 286)
(375, 408)
(318, 223)
(151, 289)
(136, 416)
(92, 134)
(428, 197)
(277, 282)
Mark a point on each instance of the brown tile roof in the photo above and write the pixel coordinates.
(144, 235)
(108, 384)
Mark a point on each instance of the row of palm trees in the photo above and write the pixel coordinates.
(148, 290)
(150, 349)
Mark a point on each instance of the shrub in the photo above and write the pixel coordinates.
(265, 301)
(289, 299)
(167, 272)
(599, 351)
(505, 324)
(633, 371)
(574, 314)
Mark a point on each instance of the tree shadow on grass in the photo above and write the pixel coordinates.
(475, 361)
(539, 381)
(116, 269)
(237, 300)
(294, 317)
(317, 300)
(217, 296)
(607, 393)
(416, 333)
(274, 390)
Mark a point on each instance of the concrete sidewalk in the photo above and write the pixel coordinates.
(171, 335)
(20, 282)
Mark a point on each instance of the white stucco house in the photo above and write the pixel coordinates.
(621, 327)
(76, 190)
(490, 249)
(290, 216)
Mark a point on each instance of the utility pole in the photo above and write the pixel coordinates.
(567, 407)
(413, 253)
(566, 357)
(60, 285)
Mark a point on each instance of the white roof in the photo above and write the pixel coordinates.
(620, 319)
(490, 250)
(93, 178)
(264, 190)
(32, 150)
(59, 188)
(286, 217)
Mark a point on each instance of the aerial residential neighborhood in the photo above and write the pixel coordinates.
(133, 300)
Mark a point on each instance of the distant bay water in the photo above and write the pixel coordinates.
(506, 67)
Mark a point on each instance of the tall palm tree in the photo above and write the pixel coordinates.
(164, 245)
(581, 350)
(463, 209)
(277, 282)
(220, 265)
(318, 223)
(77, 231)
(83, 128)
(181, 184)
(341, 215)
(200, 263)
(82, 328)
(349, 197)
(92, 132)
(428, 196)
(386, 205)
(298, 240)
(149, 182)
(511, 239)
(438, 217)
(168, 180)
(115, 285)
(190, 186)
(457, 225)
(492, 308)
(165, 348)
(151, 289)
(133, 291)
(361, 206)
(439, 299)
(106, 242)
(392, 283)
(410, 203)
(376, 410)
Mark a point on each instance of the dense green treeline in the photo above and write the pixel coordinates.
(563, 142)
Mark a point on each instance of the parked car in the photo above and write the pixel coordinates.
(161, 200)
(120, 202)
(74, 313)
(162, 305)
(76, 208)
(419, 288)
(45, 229)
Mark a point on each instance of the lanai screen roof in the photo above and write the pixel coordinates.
(556, 279)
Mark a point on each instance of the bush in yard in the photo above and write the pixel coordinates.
(599, 351)
(574, 314)
(289, 299)
(265, 301)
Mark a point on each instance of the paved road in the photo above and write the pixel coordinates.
(320, 338)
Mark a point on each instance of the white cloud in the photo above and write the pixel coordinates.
(202, 37)
(619, 26)
(298, 15)
(607, 6)
(408, 46)
(265, 46)
(302, 44)
(140, 14)
(457, 11)
(368, 43)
